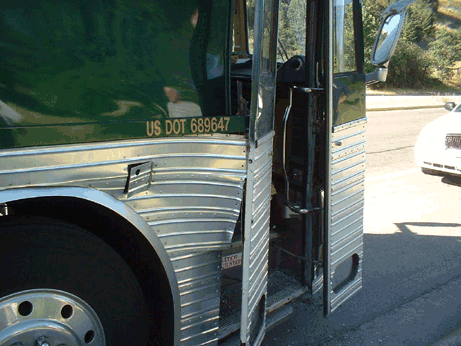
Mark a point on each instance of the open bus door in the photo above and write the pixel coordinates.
(323, 138)
(318, 98)
(345, 142)
(323, 141)
(259, 170)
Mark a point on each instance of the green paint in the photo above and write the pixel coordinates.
(95, 132)
(81, 71)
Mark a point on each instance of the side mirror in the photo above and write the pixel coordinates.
(386, 40)
(449, 106)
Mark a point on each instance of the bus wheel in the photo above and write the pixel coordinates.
(61, 285)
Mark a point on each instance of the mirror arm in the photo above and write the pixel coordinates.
(397, 7)
(378, 75)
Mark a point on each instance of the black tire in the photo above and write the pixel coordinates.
(40, 253)
(429, 171)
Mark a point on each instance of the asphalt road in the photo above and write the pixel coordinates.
(391, 137)
(412, 272)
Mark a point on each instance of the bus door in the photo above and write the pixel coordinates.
(345, 152)
(259, 170)
(345, 121)
(321, 86)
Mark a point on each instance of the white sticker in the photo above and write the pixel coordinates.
(233, 260)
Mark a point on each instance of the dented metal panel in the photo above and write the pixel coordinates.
(347, 178)
(257, 239)
(190, 197)
(199, 281)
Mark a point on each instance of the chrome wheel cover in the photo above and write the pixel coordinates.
(47, 317)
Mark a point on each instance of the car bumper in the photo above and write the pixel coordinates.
(448, 161)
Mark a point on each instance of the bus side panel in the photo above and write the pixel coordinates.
(347, 203)
(191, 200)
(257, 245)
(77, 71)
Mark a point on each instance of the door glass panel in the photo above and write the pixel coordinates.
(292, 29)
(343, 38)
(267, 65)
(349, 83)
(251, 23)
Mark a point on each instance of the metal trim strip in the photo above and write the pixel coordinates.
(118, 207)
(354, 123)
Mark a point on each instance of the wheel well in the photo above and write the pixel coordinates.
(124, 238)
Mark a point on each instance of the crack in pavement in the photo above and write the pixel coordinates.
(388, 150)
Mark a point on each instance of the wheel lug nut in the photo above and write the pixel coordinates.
(42, 341)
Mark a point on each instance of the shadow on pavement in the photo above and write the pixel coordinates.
(403, 226)
(399, 271)
(452, 180)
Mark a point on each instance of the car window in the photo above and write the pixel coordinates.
(458, 109)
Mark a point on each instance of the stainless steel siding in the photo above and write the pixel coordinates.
(260, 225)
(192, 203)
(347, 199)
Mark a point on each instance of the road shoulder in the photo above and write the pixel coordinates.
(421, 321)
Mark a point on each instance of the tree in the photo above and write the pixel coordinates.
(419, 24)
(292, 26)
(371, 12)
(445, 50)
(410, 66)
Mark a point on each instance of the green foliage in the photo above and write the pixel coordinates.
(410, 67)
(422, 50)
(344, 42)
(371, 12)
(420, 20)
(419, 23)
(446, 50)
(292, 27)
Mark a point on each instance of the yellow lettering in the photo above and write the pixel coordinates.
(200, 125)
(193, 125)
(176, 129)
(206, 124)
(221, 124)
(150, 129)
(168, 127)
(214, 124)
(158, 128)
(183, 121)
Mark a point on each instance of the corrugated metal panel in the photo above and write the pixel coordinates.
(347, 203)
(199, 279)
(192, 202)
(255, 285)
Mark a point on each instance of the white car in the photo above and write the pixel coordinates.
(438, 148)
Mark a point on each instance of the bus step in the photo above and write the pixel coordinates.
(281, 290)
(272, 320)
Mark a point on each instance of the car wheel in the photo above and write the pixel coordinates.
(61, 285)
